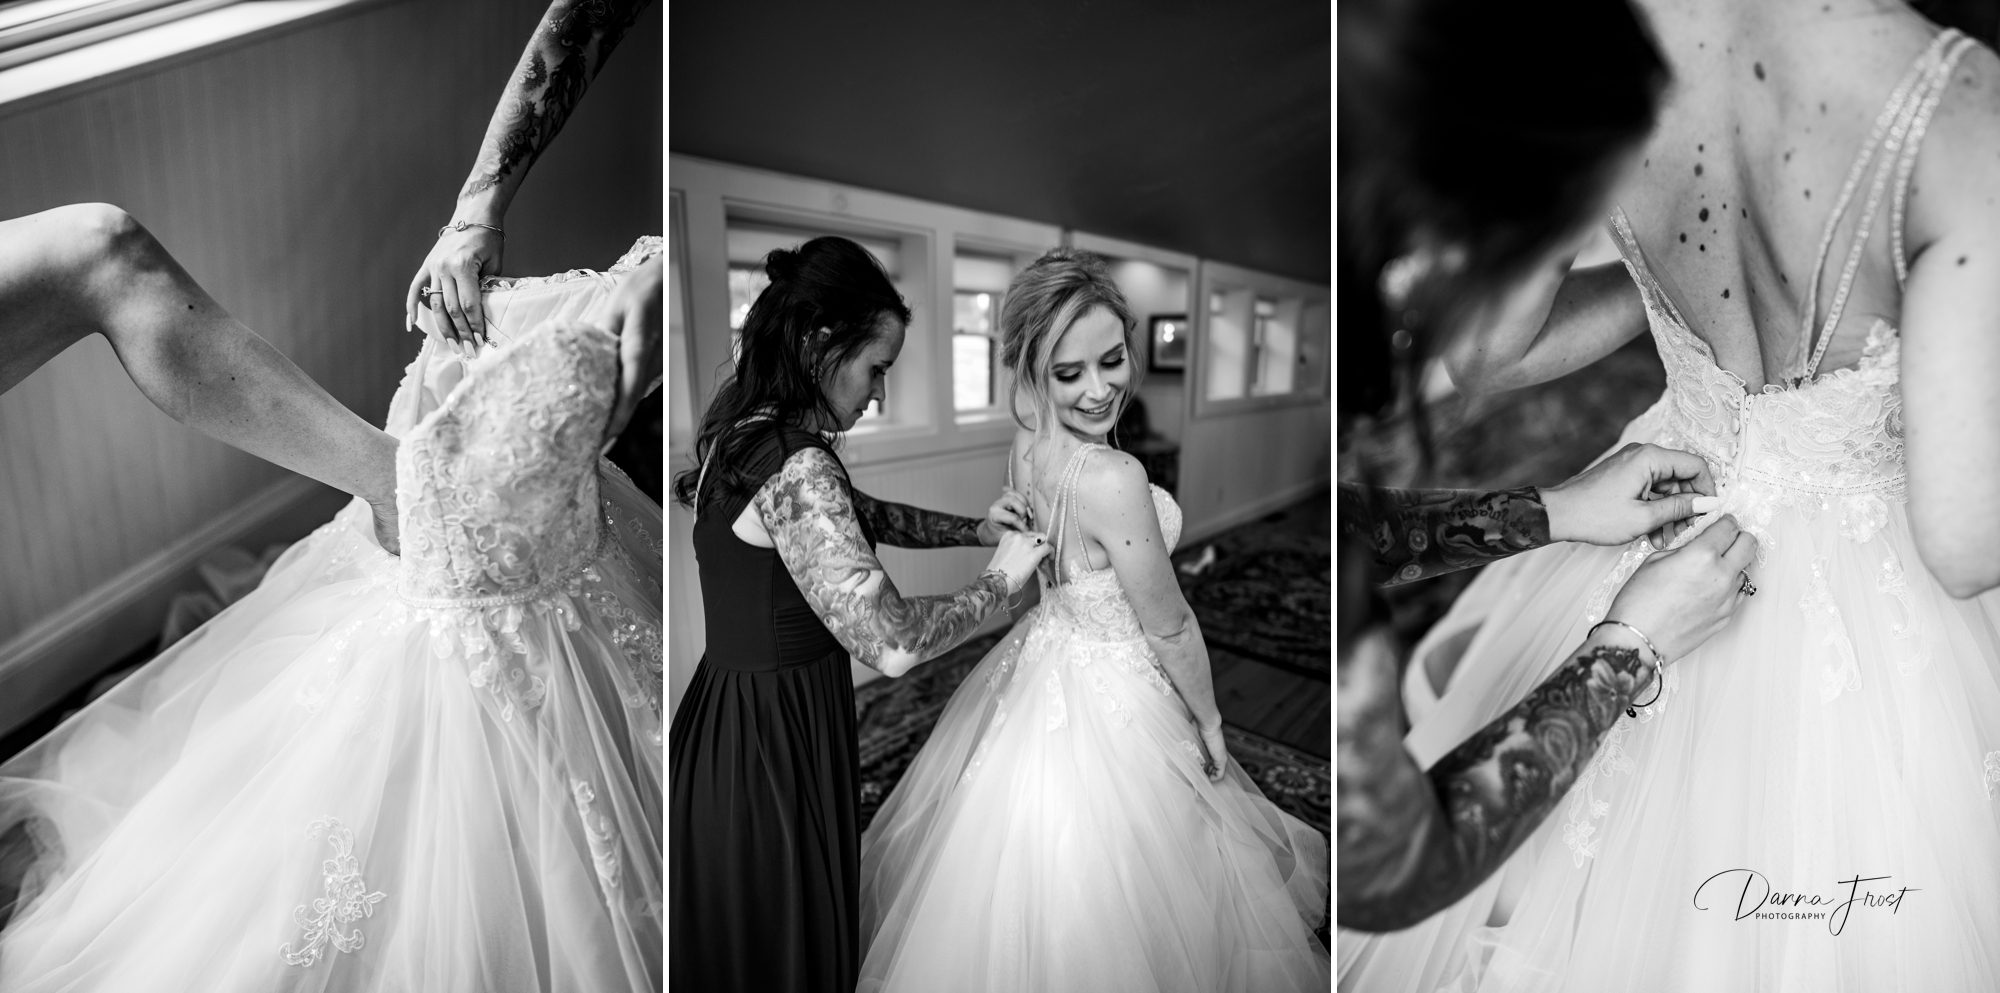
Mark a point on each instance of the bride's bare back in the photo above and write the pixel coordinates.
(1771, 104)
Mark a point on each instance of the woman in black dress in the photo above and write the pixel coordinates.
(763, 762)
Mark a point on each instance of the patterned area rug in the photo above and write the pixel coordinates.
(897, 715)
(1267, 595)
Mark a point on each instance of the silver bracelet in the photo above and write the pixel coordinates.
(1006, 585)
(1659, 662)
(466, 225)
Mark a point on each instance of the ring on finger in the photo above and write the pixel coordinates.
(1747, 588)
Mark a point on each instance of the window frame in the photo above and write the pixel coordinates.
(1293, 299)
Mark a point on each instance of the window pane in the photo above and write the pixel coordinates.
(972, 350)
(971, 372)
(1230, 347)
(978, 281)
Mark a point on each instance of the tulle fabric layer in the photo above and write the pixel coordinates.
(1057, 833)
(1845, 724)
(322, 790)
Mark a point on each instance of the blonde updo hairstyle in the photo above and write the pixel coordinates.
(1043, 302)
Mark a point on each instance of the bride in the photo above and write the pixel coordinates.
(440, 772)
(1816, 275)
(1074, 822)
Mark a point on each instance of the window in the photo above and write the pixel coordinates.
(972, 351)
(1229, 344)
(1274, 347)
(978, 284)
(751, 241)
(36, 29)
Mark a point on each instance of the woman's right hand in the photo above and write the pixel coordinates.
(1679, 598)
(1018, 555)
(448, 283)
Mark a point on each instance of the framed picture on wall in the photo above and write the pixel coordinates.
(1169, 334)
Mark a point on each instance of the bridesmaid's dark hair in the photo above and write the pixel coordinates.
(1488, 129)
(827, 300)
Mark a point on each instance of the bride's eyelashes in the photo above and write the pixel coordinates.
(1070, 372)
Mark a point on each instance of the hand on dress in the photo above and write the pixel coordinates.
(1679, 598)
(1009, 513)
(636, 307)
(448, 284)
(1636, 490)
(1216, 751)
(1018, 555)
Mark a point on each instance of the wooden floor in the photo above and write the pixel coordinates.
(1277, 704)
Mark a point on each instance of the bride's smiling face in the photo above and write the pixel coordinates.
(1090, 373)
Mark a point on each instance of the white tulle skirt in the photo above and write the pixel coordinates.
(1057, 833)
(1845, 726)
(328, 789)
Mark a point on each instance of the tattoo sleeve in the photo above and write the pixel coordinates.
(1413, 843)
(806, 509)
(567, 51)
(904, 526)
(1417, 534)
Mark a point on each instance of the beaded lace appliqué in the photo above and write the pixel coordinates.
(346, 900)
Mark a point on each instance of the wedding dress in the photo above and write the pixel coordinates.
(1811, 803)
(438, 773)
(1057, 832)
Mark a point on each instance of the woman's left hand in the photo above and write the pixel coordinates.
(635, 316)
(1009, 513)
(1217, 749)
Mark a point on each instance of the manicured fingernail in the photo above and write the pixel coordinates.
(1704, 504)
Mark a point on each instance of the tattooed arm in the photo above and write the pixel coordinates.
(904, 526)
(565, 53)
(1413, 843)
(1417, 534)
(805, 509)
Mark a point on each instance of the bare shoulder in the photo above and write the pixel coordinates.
(1957, 180)
(1113, 484)
(1111, 467)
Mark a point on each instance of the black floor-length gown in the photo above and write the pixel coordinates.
(764, 853)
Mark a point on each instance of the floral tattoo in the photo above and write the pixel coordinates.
(811, 518)
(565, 54)
(904, 526)
(1417, 534)
(1413, 843)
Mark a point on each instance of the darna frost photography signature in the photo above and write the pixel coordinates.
(1757, 899)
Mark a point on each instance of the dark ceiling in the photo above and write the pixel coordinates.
(1200, 127)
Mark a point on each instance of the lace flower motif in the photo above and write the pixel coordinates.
(1993, 775)
(1840, 673)
(345, 900)
(599, 833)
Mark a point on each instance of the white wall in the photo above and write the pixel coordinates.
(300, 177)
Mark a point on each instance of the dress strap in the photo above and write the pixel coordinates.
(1893, 127)
(1911, 145)
(701, 476)
(1635, 259)
(1063, 508)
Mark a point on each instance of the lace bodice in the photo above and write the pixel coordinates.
(497, 486)
(1841, 433)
